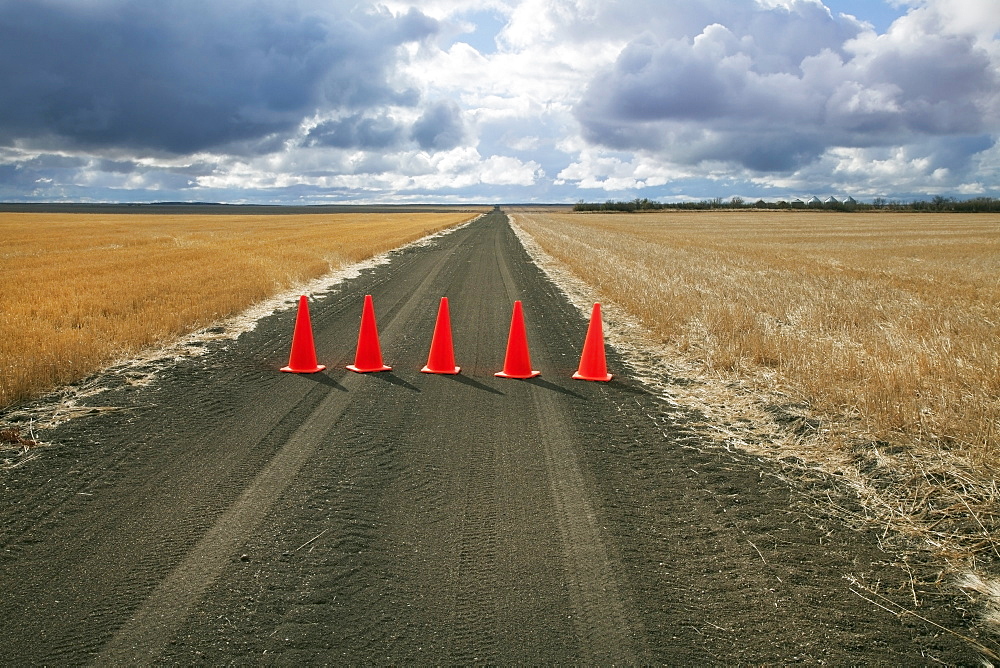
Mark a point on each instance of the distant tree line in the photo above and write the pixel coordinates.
(936, 204)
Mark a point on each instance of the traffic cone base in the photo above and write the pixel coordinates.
(302, 358)
(374, 369)
(369, 355)
(451, 371)
(593, 363)
(316, 369)
(529, 374)
(517, 363)
(606, 377)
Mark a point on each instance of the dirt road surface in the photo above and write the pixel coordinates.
(232, 513)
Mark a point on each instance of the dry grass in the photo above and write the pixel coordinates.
(860, 349)
(82, 290)
(888, 321)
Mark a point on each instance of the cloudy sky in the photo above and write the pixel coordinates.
(327, 101)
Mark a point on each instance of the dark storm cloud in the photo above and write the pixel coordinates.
(115, 166)
(50, 161)
(773, 89)
(185, 75)
(357, 131)
(440, 128)
(956, 152)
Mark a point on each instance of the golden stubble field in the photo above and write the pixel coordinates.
(79, 291)
(889, 322)
(855, 347)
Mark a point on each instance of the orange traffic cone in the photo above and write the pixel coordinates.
(593, 364)
(303, 356)
(442, 356)
(517, 363)
(369, 355)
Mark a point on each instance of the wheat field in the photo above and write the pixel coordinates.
(887, 322)
(78, 291)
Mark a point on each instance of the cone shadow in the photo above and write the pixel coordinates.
(323, 379)
(465, 380)
(629, 387)
(393, 379)
(541, 382)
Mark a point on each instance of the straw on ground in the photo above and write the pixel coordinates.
(891, 321)
(863, 347)
(82, 290)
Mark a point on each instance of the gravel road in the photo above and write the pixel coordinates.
(230, 513)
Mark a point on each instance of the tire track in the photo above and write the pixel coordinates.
(152, 626)
(605, 631)
(121, 546)
(475, 567)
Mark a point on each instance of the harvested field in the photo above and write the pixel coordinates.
(82, 290)
(885, 323)
(860, 346)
